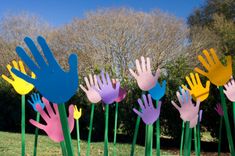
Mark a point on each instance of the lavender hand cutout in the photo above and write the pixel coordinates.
(106, 89)
(148, 113)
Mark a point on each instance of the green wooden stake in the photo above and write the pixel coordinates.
(23, 125)
(63, 148)
(186, 141)
(195, 141)
(106, 152)
(65, 128)
(190, 141)
(157, 134)
(78, 138)
(90, 130)
(198, 137)
(36, 135)
(137, 124)
(220, 134)
(234, 117)
(182, 139)
(148, 140)
(115, 129)
(226, 120)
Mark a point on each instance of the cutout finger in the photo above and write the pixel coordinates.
(87, 83)
(143, 64)
(138, 67)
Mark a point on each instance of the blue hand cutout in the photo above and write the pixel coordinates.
(35, 99)
(55, 84)
(182, 91)
(158, 91)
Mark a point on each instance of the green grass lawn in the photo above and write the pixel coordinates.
(10, 145)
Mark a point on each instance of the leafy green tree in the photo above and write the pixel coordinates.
(203, 16)
(218, 16)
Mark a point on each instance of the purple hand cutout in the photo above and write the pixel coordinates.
(106, 90)
(200, 115)
(148, 113)
(53, 126)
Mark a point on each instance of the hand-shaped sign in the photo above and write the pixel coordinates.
(196, 88)
(230, 90)
(35, 99)
(219, 110)
(53, 125)
(77, 114)
(194, 121)
(21, 86)
(144, 76)
(158, 91)
(106, 90)
(148, 113)
(200, 115)
(122, 92)
(188, 111)
(217, 73)
(51, 80)
(92, 95)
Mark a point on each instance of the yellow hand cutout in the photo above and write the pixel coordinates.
(217, 73)
(196, 88)
(21, 86)
(77, 114)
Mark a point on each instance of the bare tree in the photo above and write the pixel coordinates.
(111, 38)
(14, 28)
(201, 38)
(117, 37)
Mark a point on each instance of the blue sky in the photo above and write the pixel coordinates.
(59, 12)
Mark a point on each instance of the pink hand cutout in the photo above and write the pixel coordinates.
(144, 76)
(92, 95)
(194, 121)
(53, 126)
(229, 90)
(188, 111)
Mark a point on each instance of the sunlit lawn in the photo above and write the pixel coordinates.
(10, 145)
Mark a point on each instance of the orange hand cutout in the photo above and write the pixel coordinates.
(217, 73)
(196, 88)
